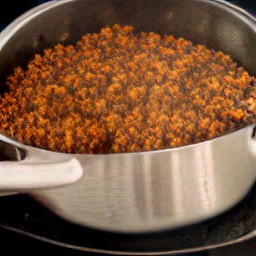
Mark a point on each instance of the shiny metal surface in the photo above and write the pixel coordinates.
(148, 191)
(158, 190)
(38, 168)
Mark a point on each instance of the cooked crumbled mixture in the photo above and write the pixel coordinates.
(121, 91)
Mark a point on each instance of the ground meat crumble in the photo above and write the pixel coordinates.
(125, 91)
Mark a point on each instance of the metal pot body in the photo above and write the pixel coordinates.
(147, 191)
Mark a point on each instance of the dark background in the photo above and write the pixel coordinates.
(12, 243)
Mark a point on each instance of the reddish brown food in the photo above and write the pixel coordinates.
(121, 91)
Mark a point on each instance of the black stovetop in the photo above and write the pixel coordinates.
(20, 244)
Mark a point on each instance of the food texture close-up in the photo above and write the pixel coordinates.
(122, 90)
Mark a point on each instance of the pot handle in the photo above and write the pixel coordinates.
(34, 168)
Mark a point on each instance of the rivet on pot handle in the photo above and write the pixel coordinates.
(39, 168)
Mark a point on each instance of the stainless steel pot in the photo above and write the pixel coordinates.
(133, 192)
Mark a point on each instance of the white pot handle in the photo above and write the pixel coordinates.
(39, 169)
